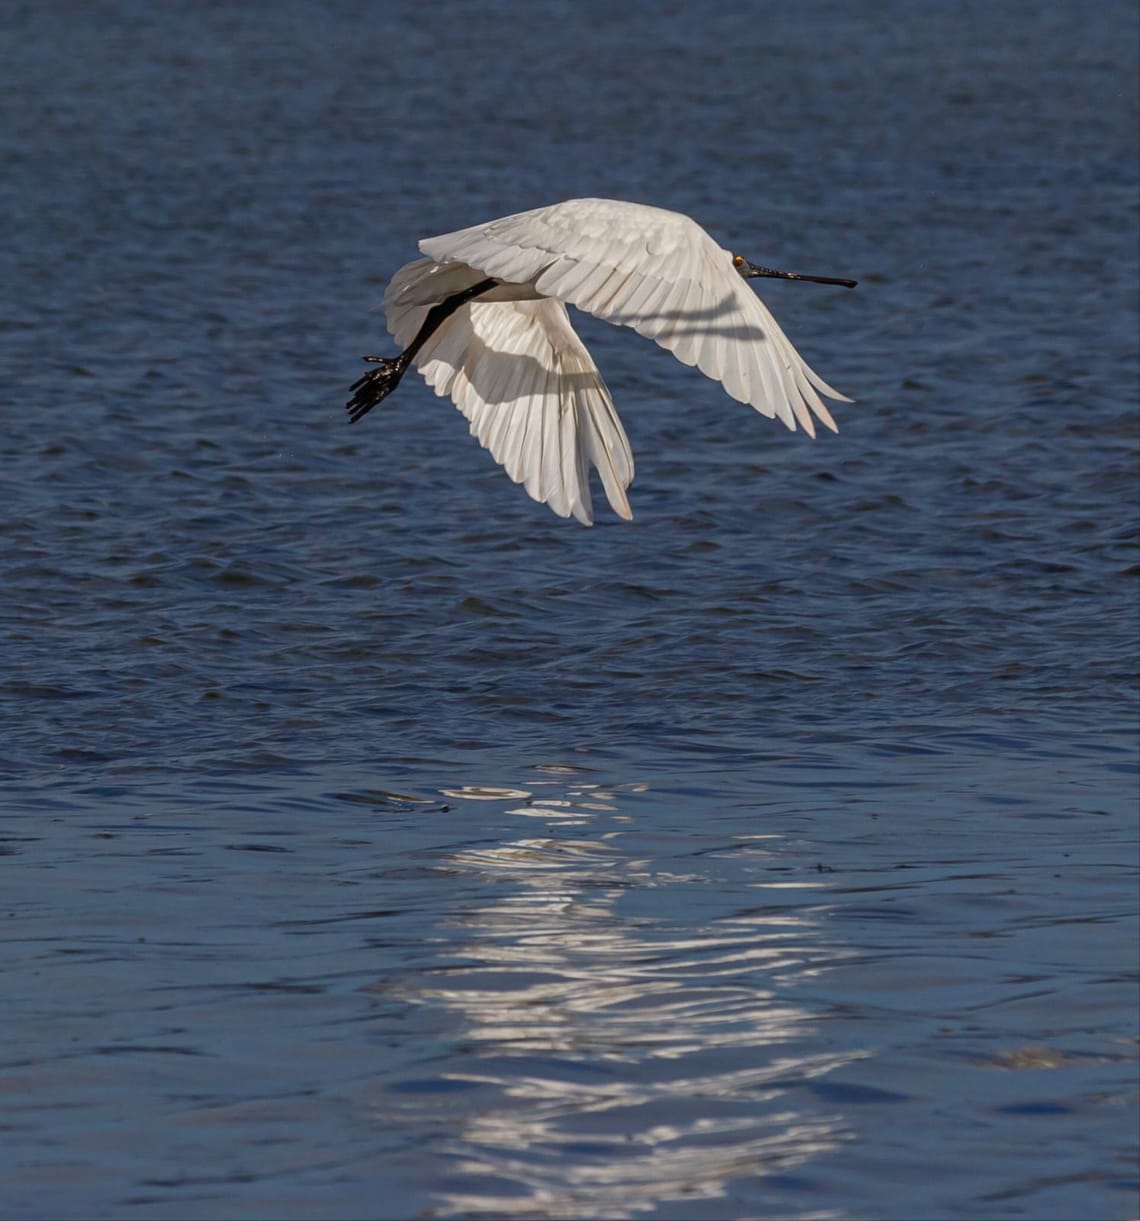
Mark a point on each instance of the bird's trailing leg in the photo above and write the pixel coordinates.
(378, 383)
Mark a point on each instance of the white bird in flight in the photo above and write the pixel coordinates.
(483, 318)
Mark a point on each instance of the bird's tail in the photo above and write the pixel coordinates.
(416, 287)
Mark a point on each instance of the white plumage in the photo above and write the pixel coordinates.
(513, 365)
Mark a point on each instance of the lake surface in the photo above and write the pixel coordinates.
(375, 843)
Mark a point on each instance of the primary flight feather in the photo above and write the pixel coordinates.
(483, 318)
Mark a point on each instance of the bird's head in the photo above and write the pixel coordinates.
(750, 271)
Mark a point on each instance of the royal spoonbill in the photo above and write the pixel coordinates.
(483, 318)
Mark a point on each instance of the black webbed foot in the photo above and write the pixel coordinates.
(375, 385)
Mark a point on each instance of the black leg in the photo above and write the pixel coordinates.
(378, 383)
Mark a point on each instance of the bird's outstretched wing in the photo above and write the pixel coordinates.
(528, 386)
(661, 274)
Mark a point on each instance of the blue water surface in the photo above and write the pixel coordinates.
(377, 844)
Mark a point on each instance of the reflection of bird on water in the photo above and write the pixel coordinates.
(590, 1006)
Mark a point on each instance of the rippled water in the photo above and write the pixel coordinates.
(376, 843)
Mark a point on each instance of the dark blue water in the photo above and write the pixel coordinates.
(378, 844)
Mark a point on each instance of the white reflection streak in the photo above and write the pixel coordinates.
(633, 1065)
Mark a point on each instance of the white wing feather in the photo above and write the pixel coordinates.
(527, 385)
(655, 271)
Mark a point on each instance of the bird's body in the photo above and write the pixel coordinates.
(483, 318)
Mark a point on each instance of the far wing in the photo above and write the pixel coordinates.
(661, 274)
(534, 398)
